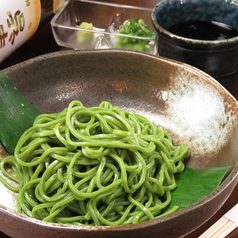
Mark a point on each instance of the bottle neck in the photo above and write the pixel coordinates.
(46, 9)
(49, 7)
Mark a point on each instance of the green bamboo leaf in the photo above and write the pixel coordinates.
(195, 184)
(16, 114)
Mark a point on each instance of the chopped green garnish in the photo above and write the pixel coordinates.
(134, 28)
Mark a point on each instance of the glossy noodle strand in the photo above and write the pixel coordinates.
(94, 166)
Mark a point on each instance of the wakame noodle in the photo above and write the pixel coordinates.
(94, 166)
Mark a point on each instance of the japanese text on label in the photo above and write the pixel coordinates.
(15, 24)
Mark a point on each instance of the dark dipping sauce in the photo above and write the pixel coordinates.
(204, 30)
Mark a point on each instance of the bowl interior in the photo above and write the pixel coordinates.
(188, 103)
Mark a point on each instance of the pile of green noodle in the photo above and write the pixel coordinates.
(94, 166)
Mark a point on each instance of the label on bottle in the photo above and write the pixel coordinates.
(18, 22)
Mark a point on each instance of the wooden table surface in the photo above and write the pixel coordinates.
(43, 42)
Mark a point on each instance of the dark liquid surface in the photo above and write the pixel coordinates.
(204, 30)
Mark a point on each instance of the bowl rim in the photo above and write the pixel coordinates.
(232, 177)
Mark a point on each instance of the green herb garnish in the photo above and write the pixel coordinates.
(138, 28)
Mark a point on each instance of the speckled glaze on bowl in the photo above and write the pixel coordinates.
(188, 103)
(218, 58)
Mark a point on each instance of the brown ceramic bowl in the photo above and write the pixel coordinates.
(191, 105)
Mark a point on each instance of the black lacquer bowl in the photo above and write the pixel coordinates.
(218, 58)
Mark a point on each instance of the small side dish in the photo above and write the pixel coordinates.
(82, 25)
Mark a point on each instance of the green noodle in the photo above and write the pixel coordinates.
(94, 166)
